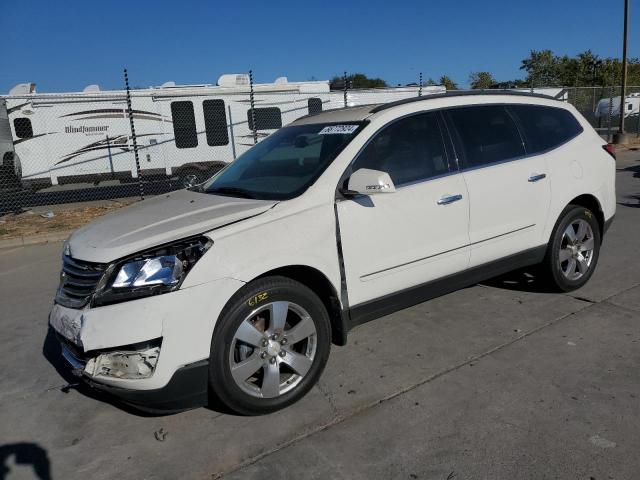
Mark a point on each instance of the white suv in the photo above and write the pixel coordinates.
(239, 286)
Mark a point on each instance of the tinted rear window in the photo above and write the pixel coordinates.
(487, 134)
(545, 127)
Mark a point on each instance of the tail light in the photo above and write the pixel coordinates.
(610, 149)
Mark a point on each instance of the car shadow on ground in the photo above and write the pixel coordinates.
(25, 454)
(635, 169)
(52, 353)
(636, 204)
(522, 280)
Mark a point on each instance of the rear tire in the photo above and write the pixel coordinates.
(191, 177)
(573, 250)
(270, 346)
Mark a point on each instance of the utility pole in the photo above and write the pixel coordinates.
(621, 136)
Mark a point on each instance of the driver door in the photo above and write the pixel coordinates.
(394, 241)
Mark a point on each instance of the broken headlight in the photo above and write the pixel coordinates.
(152, 272)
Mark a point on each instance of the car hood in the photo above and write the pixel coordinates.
(159, 220)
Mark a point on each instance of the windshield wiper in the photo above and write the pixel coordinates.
(231, 192)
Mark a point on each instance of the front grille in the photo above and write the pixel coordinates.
(78, 281)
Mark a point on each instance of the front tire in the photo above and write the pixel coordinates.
(573, 250)
(270, 346)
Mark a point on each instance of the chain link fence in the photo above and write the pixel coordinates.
(67, 148)
(601, 107)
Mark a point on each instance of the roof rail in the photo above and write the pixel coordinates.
(459, 93)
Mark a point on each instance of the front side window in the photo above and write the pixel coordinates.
(545, 127)
(285, 164)
(487, 134)
(184, 124)
(409, 150)
(267, 118)
(215, 123)
(23, 127)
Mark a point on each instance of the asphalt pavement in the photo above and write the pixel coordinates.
(502, 380)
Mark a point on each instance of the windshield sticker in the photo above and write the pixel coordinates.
(338, 130)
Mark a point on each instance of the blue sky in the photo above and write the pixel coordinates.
(65, 45)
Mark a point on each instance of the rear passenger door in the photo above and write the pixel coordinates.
(509, 193)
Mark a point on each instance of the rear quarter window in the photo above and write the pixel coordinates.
(544, 128)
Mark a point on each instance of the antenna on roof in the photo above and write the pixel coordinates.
(91, 88)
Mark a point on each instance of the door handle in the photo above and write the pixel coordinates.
(447, 199)
(536, 177)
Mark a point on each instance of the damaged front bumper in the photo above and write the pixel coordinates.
(150, 353)
(187, 388)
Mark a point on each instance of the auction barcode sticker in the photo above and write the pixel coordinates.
(338, 130)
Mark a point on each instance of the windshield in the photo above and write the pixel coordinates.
(285, 164)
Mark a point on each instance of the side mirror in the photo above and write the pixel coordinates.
(368, 182)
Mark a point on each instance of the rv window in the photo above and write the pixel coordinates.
(23, 127)
(266, 118)
(314, 105)
(215, 122)
(184, 124)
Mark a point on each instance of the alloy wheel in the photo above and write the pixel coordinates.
(273, 349)
(576, 249)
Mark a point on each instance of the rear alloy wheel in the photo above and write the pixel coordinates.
(573, 250)
(270, 346)
(576, 249)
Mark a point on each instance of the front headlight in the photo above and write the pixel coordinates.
(152, 272)
(164, 270)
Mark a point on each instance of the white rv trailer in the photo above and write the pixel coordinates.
(183, 131)
(8, 172)
(632, 106)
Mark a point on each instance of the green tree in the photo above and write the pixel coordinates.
(542, 68)
(356, 80)
(479, 80)
(516, 83)
(448, 83)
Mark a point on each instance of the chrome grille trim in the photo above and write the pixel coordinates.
(78, 281)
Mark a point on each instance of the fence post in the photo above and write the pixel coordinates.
(609, 137)
(420, 86)
(531, 86)
(345, 88)
(133, 134)
(253, 111)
